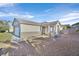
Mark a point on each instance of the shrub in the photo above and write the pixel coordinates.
(77, 30)
(67, 27)
(3, 26)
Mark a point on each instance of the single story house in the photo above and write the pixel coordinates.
(24, 28)
(75, 28)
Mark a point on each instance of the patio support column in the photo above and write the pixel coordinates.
(49, 31)
(41, 30)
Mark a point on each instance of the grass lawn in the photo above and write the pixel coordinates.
(5, 37)
(6, 45)
(77, 30)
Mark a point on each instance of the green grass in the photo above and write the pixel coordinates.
(4, 37)
(77, 30)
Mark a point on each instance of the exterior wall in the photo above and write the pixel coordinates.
(11, 29)
(53, 31)
(49, 29)
(44, 29)
(28, 31)
(58, 28)
(30, 28)
(61, 28)
(16, 28)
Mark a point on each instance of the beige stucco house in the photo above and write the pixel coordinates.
(25, 29)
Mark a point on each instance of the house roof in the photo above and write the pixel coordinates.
(27, 21)
(50, 23)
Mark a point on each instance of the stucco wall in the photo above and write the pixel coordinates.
(29, 35)
(29, 28)
(27, 31)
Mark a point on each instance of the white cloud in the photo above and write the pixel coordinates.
(48, 10)
(69, 17)
(75, 14)
(6, 4)
(29, 16)
(2, 14)
(11, 14)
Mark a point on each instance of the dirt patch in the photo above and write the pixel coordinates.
(37, 43)
(6, 45)
(23, 49)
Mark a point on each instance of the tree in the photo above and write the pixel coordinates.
(76, 24)
(3, 26)
(67, 26)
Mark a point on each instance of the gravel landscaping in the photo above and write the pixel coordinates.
(66, 44)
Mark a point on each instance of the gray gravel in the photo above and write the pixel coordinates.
(66, 44)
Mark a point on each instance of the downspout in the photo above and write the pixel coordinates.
(19, 30)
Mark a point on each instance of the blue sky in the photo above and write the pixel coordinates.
(41, 12)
